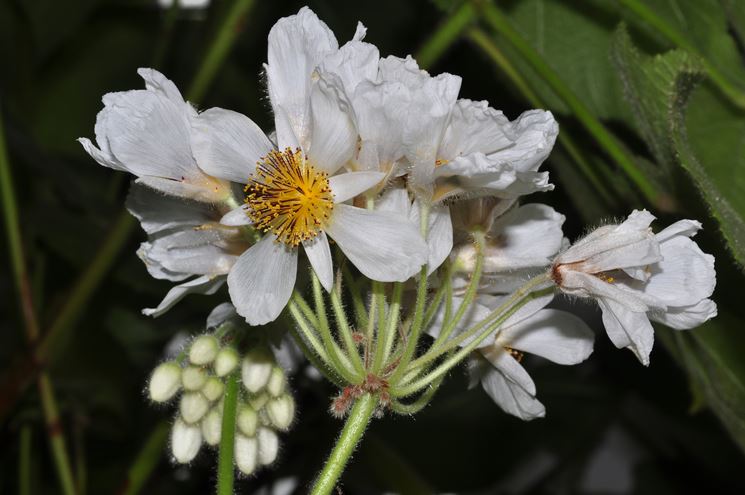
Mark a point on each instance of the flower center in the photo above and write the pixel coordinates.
(289, 197)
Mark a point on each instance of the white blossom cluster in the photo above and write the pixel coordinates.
(386, 160)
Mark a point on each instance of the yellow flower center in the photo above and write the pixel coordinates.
(289, 197)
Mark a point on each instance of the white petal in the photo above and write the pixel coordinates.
(220, 314)
(685, 317)
(353, 63)
(384, 246)
(535, 133)
(297, 44)
(199, 188)
(555, 335)
(628, 329)
(687, 228)
(228, 144)
(333, 137)
(475, 314)
(158, 213)
(439, 233)
(585, 285)
(395, 200)
(510, 397)
(157, 82)
(319, 255)
(261, 281)
(200, 285)
(347, 186)
(237, 216)
(193, 251)
(475, 127)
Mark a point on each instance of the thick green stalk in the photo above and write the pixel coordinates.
(225, 469)
(735, 95)
(448, 32)
(219, 48)
(610, 144)
(147, 460)
(354, 428)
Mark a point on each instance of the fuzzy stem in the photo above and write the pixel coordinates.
(308, 333)
(388, 334)
(354, 428)
(225, 470)
(345, 331)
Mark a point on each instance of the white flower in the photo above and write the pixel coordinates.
(555, 335)
(518, 245)
(292, 192)
(636, 276)
(146, 133)
(185, 241)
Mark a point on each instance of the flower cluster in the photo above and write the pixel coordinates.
(419, 191)
(200, 374)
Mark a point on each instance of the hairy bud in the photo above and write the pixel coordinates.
(165, 382)
(203, 350)
(185, 441)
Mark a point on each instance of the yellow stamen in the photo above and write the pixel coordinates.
(289, 197)
(518, 355)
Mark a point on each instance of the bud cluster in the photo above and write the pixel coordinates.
(265, 405)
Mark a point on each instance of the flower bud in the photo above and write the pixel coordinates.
(212, 427)
(246, 453)
(268, 445)
(213, 388)
(203, 350)
(194, 405)
(281, 411)
(276, 384)
(256, 369)
(226, 361)
(185, 441)
(258, 401)
(165, 381)
(193, 378)
(247, 420)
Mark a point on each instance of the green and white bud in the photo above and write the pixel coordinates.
(226, 361)
(193, 407)
(276, 384)
(264, 418)
(281, 411)
(165, 381)
(259, 401)
(185, 441)
(268, 445)
(247, 420)
(246, 454)
(203, 350)
(213, 388)
(256, 369)
(211, 427)
(193, 378)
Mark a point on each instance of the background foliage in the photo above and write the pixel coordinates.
(650, 96)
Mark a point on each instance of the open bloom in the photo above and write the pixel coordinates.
(147, 133)
(636, 276)
(292, 192)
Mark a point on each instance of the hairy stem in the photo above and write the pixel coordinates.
(225, 469)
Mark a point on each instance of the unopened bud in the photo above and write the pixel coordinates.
(281, 411)
(256, 369)
(226, 361)
(193, 378)
(247, 420)
(213, 388)
(194, 405)
(165, 381)
(259, 401)
(211, 427)
(268, 445)
(185, 441)
(203, 350)
(246, 453)
(276, 384)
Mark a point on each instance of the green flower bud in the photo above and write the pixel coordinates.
(281, 411)
(193, 378)
(226, 361)
(276, 384)
(268, 445)
(185, 441)
(258, 401)
(193, 407)
(212, 427)
(256, 369)
(203, 350)
(247, 420)
(213, 388)
(165, 381)
(246, 454)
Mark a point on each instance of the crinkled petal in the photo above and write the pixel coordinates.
(475, 127)
(199, 285)
(333, 137)
(535, 133)
(228, 144)
(384, 246)
(261, 281)
(347, 186)
(628, 329)
(319, 255)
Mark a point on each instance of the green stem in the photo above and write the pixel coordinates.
(388, 334)
(315, 359)
(354, 428)
(420, 402)
(416, 327)
(360, 312)
(309, 334)
(147, 460)
(56, 437)
(225, 470)
(445, 35)
(219, 48)
(499, 22)
(24, 460)
(737, 96)
(345, 331)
